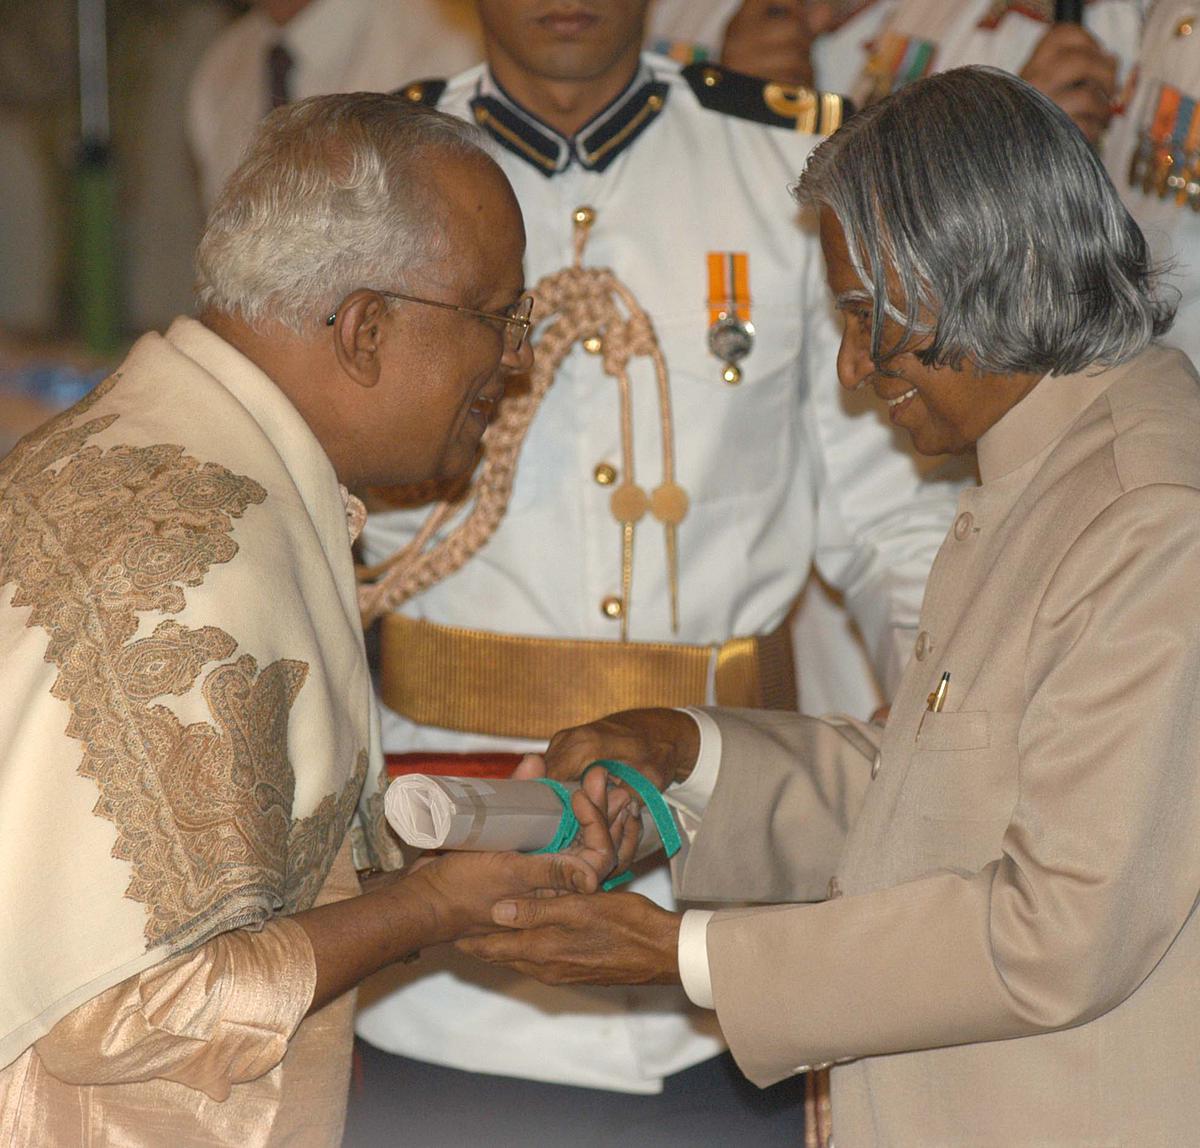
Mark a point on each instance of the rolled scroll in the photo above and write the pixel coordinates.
(485, 814)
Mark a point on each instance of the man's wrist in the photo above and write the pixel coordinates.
(693, 790)
(410, 908)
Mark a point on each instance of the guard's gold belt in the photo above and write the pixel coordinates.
(509, 686)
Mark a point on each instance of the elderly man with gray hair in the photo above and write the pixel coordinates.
(187, 722)
(1007, 946)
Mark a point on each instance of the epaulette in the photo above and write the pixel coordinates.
(767, 101)
(423, 92)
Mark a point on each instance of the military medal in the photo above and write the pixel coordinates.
(1184, 182)
(894, 61)
(1164, 163)
(730, 331)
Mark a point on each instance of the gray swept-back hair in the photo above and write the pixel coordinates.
(980, 220)
(332, 194)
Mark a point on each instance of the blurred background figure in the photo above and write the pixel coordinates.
(284, 50)
(1153, 153)
(1077, 67)
(818, 43)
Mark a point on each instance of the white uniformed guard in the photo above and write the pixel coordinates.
(1153, 154)
(687, 200)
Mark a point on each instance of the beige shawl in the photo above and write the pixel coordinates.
(186, 718)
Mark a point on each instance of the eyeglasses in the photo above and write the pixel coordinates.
(516, 319)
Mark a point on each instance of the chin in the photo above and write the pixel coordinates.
(934, 441)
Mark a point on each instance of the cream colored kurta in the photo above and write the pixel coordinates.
(184, 731)
(1010, 956)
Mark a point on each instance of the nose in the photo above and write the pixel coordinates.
(854, 363)
(520, 360)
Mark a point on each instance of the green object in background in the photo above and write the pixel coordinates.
(96, 276)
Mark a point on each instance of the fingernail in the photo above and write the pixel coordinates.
(504, 912)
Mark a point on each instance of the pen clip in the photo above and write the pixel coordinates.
(937, 699)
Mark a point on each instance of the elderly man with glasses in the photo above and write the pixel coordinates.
(187, 720)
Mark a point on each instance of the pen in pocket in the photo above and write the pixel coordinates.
(937, 699)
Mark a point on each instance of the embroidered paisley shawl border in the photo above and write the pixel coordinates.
(92, 538)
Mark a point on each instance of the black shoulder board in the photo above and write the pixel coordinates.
(767, 101)
(424, 92)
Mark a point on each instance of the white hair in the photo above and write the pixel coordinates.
(998, 223)
(333, 193)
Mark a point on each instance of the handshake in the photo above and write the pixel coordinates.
(533, 912)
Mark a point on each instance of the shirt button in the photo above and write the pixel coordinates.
(923, 646)
(876, 764)
(835, 889)
(963, 524)
(604, 474)
(584, 215)
(612, 607)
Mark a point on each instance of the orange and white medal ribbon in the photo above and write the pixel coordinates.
(730, 331)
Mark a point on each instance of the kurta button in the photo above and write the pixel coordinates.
(876, 764)
(612, 607)
(923, 646)
(963, 524)
(604, 474)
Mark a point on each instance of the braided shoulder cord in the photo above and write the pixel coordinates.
(575, 304)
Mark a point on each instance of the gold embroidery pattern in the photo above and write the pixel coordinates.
(92, 538)
(315, 840)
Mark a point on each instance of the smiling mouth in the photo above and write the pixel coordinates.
(901, 398)
(484, 406)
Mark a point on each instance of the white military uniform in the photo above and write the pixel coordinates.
(776, 470)
(336, 46)
(1153, 154)
(924, 36)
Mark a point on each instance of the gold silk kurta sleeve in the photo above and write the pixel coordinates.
(211, 1018)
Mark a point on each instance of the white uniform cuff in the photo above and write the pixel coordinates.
(693, 957)
(693, 794)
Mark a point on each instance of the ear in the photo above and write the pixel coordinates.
(358, 333)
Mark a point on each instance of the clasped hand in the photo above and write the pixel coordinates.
(617, 938)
